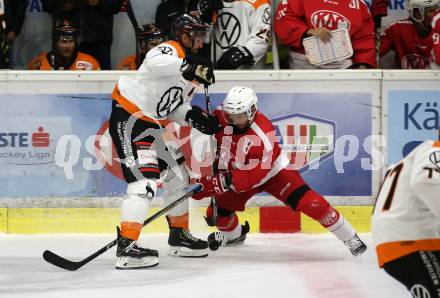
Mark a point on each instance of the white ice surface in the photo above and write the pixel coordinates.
(267, 265)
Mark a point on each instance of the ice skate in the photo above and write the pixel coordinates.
(131, 256)
(183, 244)
(356, 246)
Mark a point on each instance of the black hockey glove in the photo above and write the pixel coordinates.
(235, 57)
(198, 69)
(207, 9)
(207, 124)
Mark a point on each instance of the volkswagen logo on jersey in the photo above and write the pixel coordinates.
(414, 61)
(169, 101)
(228, 30)
(330, 20)
(266, 16)
(435, 158)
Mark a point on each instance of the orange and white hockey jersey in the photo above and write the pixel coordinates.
(406, 216)
(244, 23)
(158, 92)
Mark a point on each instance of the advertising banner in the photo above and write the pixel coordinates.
(326, 135)
(413, 117)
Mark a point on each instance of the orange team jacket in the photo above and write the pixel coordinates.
(128, 63)
(82, 62)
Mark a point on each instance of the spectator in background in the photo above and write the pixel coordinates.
(378, 10)
(411, 38)
(65, 55)
(95, 18)
(241, 32)
(149, 37)
(11, 20)
(297, 19)
(436, 41)
(168, 10)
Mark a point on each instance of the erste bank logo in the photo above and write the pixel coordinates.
(306, 140)
(25, 147)
(39, 139)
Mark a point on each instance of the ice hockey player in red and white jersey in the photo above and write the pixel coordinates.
(435, 41)
(241, 32)
(297, 19)
(249, 161)
(411, 39)
(406, 221)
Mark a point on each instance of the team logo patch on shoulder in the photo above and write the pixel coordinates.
(305, 139)
(330, 20)
(165, 50)
(266, 16)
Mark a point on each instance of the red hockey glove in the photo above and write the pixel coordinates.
(213, 185)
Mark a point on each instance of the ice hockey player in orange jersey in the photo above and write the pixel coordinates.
(406, 221)
(65, 55)
(150, 36)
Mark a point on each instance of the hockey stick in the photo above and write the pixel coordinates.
(61, 262)
(377, 28)
(208, 110)
(135, 25)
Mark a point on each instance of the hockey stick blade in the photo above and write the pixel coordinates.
(63, 263)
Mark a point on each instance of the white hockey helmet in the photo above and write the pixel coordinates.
(240, 100)
(419, 5)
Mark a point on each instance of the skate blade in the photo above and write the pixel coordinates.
(127, 263)
(184, 252)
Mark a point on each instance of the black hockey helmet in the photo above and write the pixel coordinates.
(65, 28)
(190, 25)
(150, 32)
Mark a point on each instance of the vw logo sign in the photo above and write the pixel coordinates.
(170, 100)
(228, 30)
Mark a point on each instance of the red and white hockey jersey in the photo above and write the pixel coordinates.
(243, 23)
(294, 17)
(252, 157)
(406, 216)
(436, 41)
(412, 51)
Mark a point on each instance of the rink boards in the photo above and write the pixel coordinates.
(104, 220)
(340, 128)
